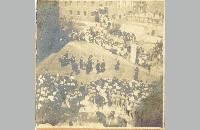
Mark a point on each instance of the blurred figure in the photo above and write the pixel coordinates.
(103, 66)
(81, 63)
(98, 68)
(117, 65)
(136, 73)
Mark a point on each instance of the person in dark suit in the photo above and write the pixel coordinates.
(73, 60)
(98, 68)
(75, 66)
(103, 66)
(83, 90)
(136, 73)
(117, 65)
(67, 55)
(89, 67)
(61, 61)
(66, 59)
(81, 63)
(149, 68)
(128, 48)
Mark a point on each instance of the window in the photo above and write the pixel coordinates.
(120, 16)
(84, 3)
(65, 3)
(85, 13)
(78, 12)
(92, 3)
(77, 3)
(118, 3)
(70, 11)
(70, 2)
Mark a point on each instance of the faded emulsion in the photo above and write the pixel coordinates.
(100, 64)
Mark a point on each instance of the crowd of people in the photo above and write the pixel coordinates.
(118, 43)
(157, 52)
(149, 17)
(88, 65)
(65, 91)
(144, 58)
(58, 96)
(114, 40)
(123, 49)
(118, 93)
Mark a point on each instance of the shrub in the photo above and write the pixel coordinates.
(50, 112)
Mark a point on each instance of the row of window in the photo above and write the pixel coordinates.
(78, 13)
(92, 14)
(107, 3)
(114, 17)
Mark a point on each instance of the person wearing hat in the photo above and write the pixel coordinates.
(111, 116)
(113, 119)
(73, 59)
(117, 65)
(76, 70)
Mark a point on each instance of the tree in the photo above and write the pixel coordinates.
(50, 112)
(150, 112)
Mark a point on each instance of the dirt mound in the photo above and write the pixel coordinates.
(78, 49)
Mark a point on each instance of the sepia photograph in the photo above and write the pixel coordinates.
(100, 64)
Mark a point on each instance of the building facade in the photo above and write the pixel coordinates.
(117, 11)
(84, 10)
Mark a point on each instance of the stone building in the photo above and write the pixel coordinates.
(85, 10)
